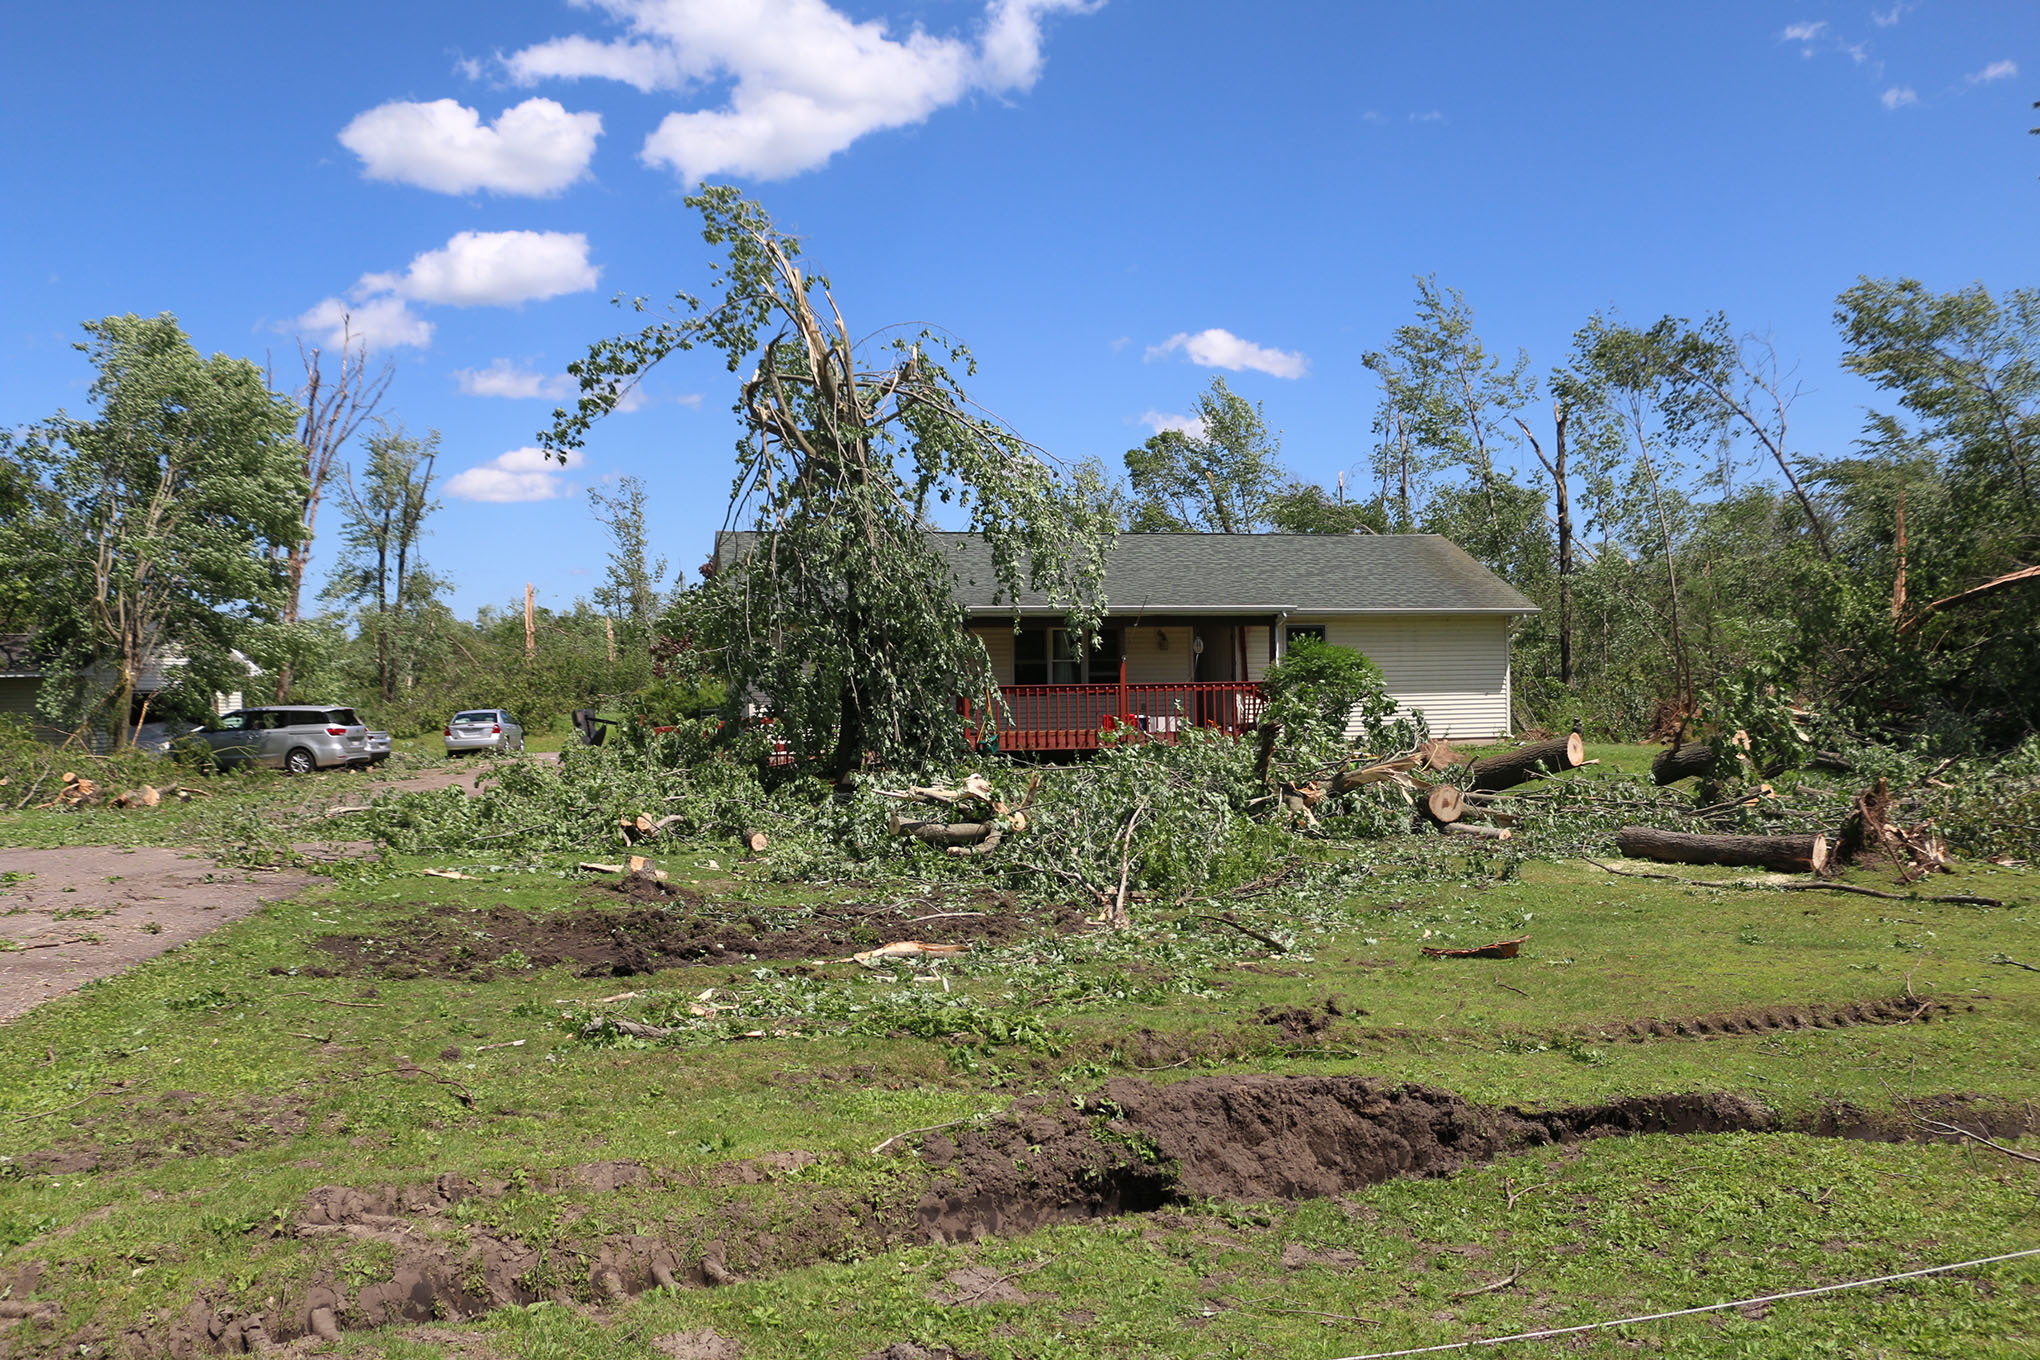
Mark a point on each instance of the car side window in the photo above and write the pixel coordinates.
(230, 722)
(342, 717)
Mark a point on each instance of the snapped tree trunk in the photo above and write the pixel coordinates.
(1681, 762)
(1783, 854)
(1520, 766)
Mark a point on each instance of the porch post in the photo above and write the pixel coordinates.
(1125, 713)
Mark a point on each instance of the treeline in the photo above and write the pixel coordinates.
(156, 554)
(1646, 488)
(1648, 491)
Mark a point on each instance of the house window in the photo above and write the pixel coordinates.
(1302, 630)
(1049, 656)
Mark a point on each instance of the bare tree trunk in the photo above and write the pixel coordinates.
(332, 413)
(1561, 497)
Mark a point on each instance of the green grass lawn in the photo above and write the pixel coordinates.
(199, 1098)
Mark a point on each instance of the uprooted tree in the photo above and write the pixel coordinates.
(836, 611)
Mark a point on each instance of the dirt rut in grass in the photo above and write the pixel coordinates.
(644, 929)
(1134, 1147)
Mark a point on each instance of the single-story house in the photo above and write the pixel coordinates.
(1194, 621)
(24, 670)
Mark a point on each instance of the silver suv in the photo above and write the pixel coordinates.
(483, 729)
(297, 738)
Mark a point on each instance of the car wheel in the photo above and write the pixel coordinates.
(299, 761)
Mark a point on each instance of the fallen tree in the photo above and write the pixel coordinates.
(1685, 761)
(1526, 763)
(1783, 854)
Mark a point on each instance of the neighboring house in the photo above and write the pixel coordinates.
(21, 676)
(23, 672)
(1194, 620)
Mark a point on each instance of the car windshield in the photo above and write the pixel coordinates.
(488, 716)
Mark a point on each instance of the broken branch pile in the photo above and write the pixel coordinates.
(985, 818)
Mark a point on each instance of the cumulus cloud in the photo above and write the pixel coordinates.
(377, 322)
(1899, 96)
(473, 269)
(536, 148)
(505, 378)
(1159, 421)
(526, 474)
(803, 80)
(1222, 349)
(494, 269)
(1997, 70)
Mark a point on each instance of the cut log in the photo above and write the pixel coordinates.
(1682, 762)
(943, 833)
(753, 840)
(1442, 804)
(1525, 763)
(1784, 854)
(1486, 833)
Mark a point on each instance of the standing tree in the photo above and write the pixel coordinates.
(380, 567)
(334, 408)
(838, 609)
(635, 590)
(1218, 477)
(174, 502)
(1448, 402)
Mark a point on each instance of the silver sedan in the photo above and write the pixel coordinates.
(484, 729)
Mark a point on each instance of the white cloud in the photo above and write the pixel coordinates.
(473, 269)
(1222, 349)
(1885, 18)
(536, 148)
(1997, 70)
(1169, 420)
(1803, 32)
(1431, 117)
(493, 269)
(504, 378)
(804, 80)
(1898, 96)
(526, 474)
(378, 322)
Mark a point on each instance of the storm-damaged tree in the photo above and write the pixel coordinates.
(634, 591)
(1216, 475)
(162, 521)
(381, 568)
(334, 400)
(836, 611)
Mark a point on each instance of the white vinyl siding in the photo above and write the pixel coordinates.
(1146, 661)
(1453, 667)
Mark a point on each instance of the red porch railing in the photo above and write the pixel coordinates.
(1074, 717)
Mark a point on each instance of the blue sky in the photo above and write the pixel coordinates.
(1068, 187)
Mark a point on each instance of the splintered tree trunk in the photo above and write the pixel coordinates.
(1511, 768)
(1679, 762)
(1784, 854)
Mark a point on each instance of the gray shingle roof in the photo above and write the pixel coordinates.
(1259, 573)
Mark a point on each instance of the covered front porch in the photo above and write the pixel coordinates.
(1146, 679)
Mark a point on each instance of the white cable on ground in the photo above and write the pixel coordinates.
(1688, 1312)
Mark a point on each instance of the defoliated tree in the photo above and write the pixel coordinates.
(334, 401)
(381, 569)
(635, 589)
(839, 610)
(1218, 477)
(173, 503)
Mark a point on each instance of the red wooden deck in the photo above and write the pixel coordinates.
(1077, 717)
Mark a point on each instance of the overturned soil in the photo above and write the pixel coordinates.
(642, 928)
(1134, 1147)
